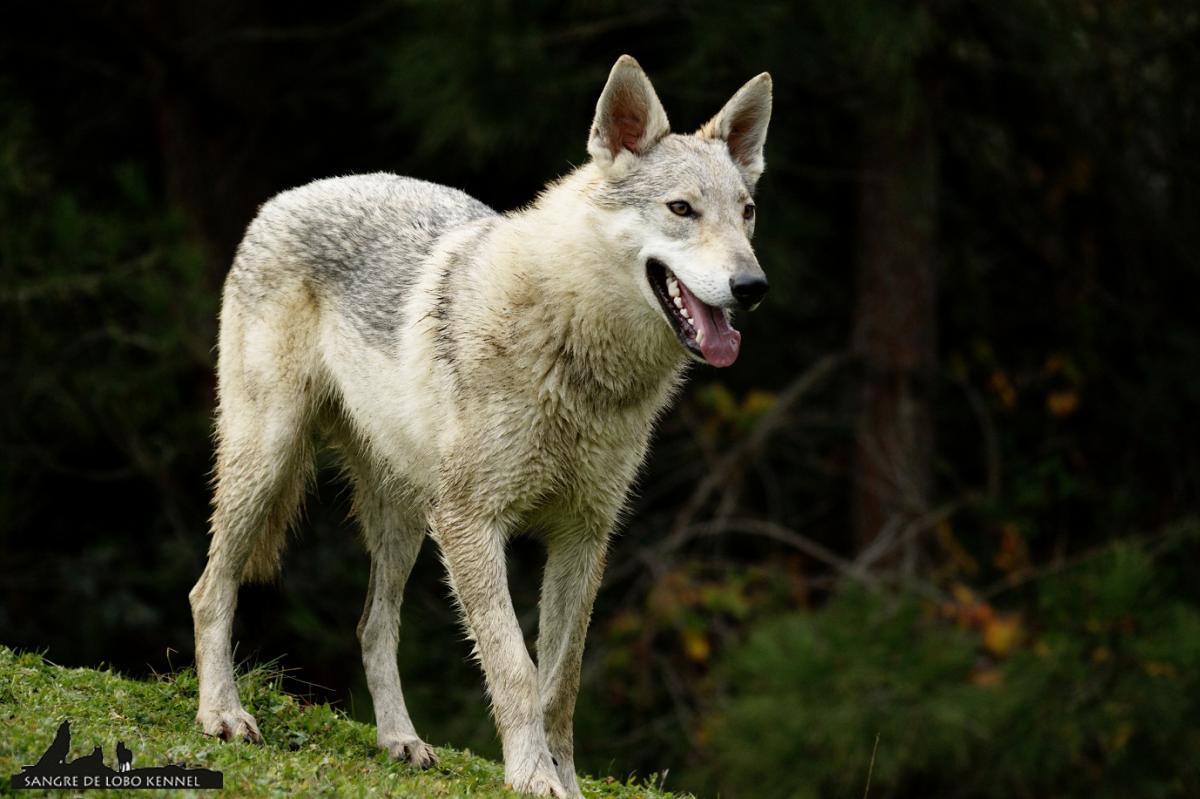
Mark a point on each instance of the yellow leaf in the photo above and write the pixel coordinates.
(625, 624)
(962, 594)
(1013, 554)
(1001, 634)
(1156, 669)
(1054, 365)
(1120, 737)
(987, 677)
(1003, 387)
(696, 646)
(1062, 403)
(758, 402)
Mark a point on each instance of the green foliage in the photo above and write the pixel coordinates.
(309, 749)
(107, 316)
(1101, 699)
(107, 320)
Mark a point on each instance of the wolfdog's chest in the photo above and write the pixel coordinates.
(576, 458)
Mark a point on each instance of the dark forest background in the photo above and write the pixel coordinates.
(945, 500)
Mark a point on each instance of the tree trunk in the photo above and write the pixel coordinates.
(895, 334)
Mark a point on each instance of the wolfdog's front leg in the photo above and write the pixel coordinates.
(472, 544)
(574, 566)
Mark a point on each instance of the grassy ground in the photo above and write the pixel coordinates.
(310, 750)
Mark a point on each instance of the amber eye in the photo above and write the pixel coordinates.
(681, 208)
(748, 212)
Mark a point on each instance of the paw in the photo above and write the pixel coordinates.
(538, 778)
(229, 725)
(410, 750)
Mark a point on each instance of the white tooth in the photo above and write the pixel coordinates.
(686, 315)
(699, 336)
(679, 304)
(672, 288)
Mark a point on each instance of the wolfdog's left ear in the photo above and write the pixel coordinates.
(742, 123)
(629, 116)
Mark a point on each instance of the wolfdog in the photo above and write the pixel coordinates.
(479, 374)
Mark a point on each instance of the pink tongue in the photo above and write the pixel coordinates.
(721, 342)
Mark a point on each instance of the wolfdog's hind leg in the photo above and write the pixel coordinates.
(393, 534)
(263, 459)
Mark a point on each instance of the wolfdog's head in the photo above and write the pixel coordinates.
(685, 205)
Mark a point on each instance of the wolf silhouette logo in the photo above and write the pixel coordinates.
(124, 757)
(54, 770)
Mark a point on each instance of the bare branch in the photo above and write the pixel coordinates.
(725, 468)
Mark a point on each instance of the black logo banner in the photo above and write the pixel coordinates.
(53, 771)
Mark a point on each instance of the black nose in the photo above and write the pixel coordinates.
(748, 290)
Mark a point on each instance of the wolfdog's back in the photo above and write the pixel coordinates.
(358, 239)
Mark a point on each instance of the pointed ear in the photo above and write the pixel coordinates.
(629, 117)
(742, 124)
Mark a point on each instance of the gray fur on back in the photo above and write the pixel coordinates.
(360, 238)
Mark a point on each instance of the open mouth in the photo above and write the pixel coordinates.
(702, 329)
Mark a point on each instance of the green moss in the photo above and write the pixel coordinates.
(310, 750)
